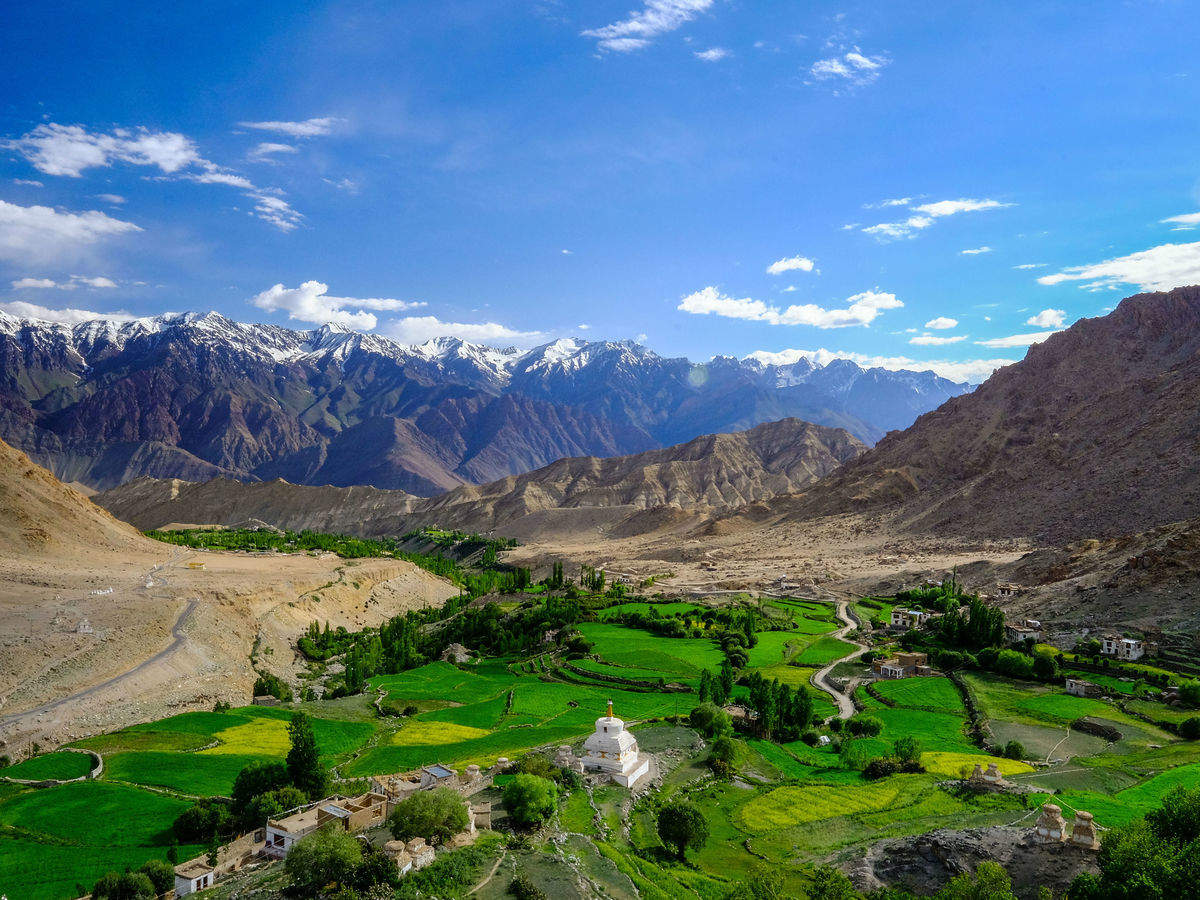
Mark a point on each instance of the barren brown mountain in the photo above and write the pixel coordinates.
(1096, 433)
(579, 493)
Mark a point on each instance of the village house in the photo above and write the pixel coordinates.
(908, 619)
(902, 665)
(349, 814)
(1028, 629)
(199, 874)
(193, 876)
(1124, 647)
(405, 784)
(1079, 688)
(1007, 589)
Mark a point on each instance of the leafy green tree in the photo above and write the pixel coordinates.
(1045, 666)
(1014, 664)
(681, 825)
(907, 751)
(709, 720)
(304, 759)
(830, 884)
(724, 754)
(989, 881)
(765, 882)
(202, 820)
(1014, 750)
(256, 779)
(864, 726)
(705, 690)
(161, 874)
(530, 799)
(268, 685)
(1189, 729)
(435, 815)
(328, 856)
(726, 679)
(127, 886)
(271, 805)
(1189, 693)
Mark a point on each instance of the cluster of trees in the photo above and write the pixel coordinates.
(268, 685)
(905, 757)
(982, 626)
(435, 815)
(333, 863)
(261, 791)
(145, 883)
(783, 713)
(717, 688)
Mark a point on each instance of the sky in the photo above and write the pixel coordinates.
(927, 185)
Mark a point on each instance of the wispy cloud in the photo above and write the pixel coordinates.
(976, 251)
(973, 370)
(861, 309)
(1030, 266)
(68, 316)
(268, 150)
(791, 264)
(70, 150)
(1156, 269)
(936, 340)
(852, 68)
(37, 233)
(1016, 340)
(655, 18)
(418, 329)
(924, 215)
(307, 128)
(75, 281)
(1186, 222)
(311, 302)
(712, 54)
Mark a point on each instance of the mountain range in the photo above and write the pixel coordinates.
(1096, 433)
(578, 494)
(194, 397)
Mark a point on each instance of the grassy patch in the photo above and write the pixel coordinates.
(823, 651)
(671, 657)
(938, 694)
(950, 764)
(60, 765)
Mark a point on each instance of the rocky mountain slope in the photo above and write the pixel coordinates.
(1095, 433)
(711, 472)
(200, 396)
(42, 518)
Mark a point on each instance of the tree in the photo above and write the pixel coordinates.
(255, 779)
(1045, 666)
(726, 679)
(1014, 750)
(864, 726)
(530, 799)
(680, 826)
(201, 821)
(709, 720)
(327, 856)
(830, 884)
(705, 690)
(271, 805)
(268, 685)
(1189, 729)
(989, 881)
(908, 752)
(129, 886)
(435, 815)
(304, 760)
(723, 755)
(1014, 664)
(1189, 693)
(161, 875)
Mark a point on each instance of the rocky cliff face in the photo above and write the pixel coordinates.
(711, 472)
(199, 396)
(1094, 433)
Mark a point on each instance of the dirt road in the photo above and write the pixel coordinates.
(820, 678)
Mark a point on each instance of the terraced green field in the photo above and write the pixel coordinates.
(823, 651)
(937, 694)
(672, 657)
(60, 766)
(68, 836)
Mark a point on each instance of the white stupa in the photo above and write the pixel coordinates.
(613, 751)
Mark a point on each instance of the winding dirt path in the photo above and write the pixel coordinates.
(820, 678)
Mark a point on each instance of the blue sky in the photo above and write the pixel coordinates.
(708, 176)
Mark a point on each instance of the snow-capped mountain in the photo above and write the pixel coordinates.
(197, 395)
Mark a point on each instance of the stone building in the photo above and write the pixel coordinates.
(1077, 687)
(350, 814)
(902, 665)
(908, 619)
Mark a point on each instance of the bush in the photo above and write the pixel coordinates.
(1045, 666)
(200, 822)
(864, 726)
(1189, 693)
(1014, 750)
(710, 720)
(880, 767)
(530, 799)
(810, 737)
(1189, 729)
(160, 873)
(327, 856)
(268, 685)
(835, 725)
(724, 754)
(907, 751)
(270, 806)
(254, 780)
(435, 815)
(130, 886)
(524, 889)
(1014, 664)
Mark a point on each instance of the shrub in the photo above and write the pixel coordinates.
(810, 737)
(130, 886)
(908, 753)
(530, 799)
(327, 856)
(524, 889)
(880, 767)
(864, 726)
(710, 720)
(270, 805)
(724, 754)
(268, 685)
(835, 725)
(160, 873)
(201, 821)
(1189, 693)
(1189, 729)
(1014, 750)
(254, 780)
(1045, 666)
(436, 815)
(1014, 664)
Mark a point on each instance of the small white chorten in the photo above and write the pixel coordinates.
(613, 751)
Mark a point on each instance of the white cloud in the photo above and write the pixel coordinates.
(32, 233)
(307, 128)
(973, 370)
(28, 182)
(712, 54)
(70, 150)
(311, 303)
(853, 68)
(566, 253)
(1016, 340)
(267, 149)
(655, 18)
(976, 251)
(897, 201)
(1030, 266)
(114, 199)
(418, 329)
(861, 309)
(936, 340)
(791, 264)
(75, 281)
(1186, 222)
(941, 323)
(1157, 269)
(1048, 318)
(23, 310)
(924, 215)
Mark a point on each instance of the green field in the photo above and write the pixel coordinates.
(673, 658)
(937, 694)
(60, 766)
(72, 834)
(823, 651)
(663, 609)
